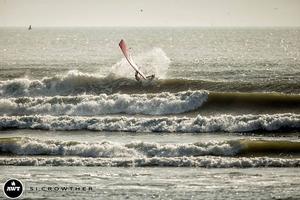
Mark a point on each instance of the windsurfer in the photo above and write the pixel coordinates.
(137, 76)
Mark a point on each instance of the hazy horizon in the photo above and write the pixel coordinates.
(99, 26)
(142, 13)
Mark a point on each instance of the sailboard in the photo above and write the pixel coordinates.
(128, 57)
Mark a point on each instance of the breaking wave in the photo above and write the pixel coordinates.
(106, 149)
(148, 104)
(226, 154)
(164, 103)
(199, 124)
(75, 83)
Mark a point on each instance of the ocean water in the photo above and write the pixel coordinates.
(221, 120)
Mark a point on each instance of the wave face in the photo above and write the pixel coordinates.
(199, 124)
(148, 104)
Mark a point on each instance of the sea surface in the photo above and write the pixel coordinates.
(220, 121)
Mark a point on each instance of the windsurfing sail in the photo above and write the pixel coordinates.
(128, 57)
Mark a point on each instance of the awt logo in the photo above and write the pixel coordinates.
(13, 188)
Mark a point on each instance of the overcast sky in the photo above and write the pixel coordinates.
(150, 12)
